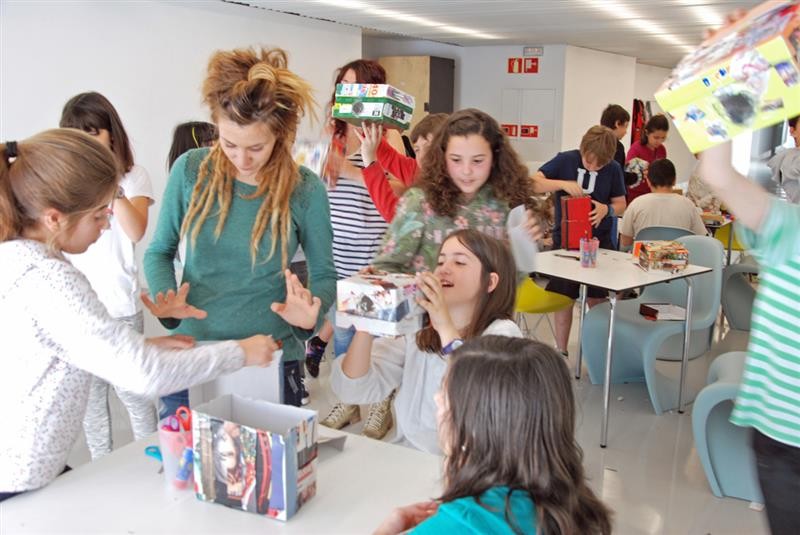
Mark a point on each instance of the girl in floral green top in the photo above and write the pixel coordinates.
(470, 178)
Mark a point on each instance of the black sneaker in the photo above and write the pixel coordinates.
(315, 349)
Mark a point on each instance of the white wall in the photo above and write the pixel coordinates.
(480, 77)
(648, 80)
(592, 81)
(149, 59)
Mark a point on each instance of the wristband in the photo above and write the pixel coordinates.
(610, 210)
(452, 346)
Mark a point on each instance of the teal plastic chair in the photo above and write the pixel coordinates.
(738, 294)
(639, 342)
(661, 233)
(724, 449)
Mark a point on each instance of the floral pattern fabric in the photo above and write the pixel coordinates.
(412, 242)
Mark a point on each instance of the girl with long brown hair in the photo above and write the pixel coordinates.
(55, 192)
(470, 293)
(471, 178)
(244, 207)
(506, 415)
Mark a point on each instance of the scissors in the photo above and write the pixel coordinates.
(155, 453)
(181, 420)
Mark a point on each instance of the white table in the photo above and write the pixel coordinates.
(124, 493)
(615, 272)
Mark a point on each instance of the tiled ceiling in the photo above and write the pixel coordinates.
(657, 32)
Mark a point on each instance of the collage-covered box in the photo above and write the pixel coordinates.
(253, 455)
(664, 255)
(376, 103)
(380, 303)
(743, 78)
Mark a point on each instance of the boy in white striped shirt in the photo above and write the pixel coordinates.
(769, 396)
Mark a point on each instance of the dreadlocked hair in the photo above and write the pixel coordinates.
(247, 86)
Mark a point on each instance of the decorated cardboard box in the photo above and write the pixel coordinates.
(575, 222)
(380, 303)
(254, 455)
(664, 255)
(743, 78)
(376, 103)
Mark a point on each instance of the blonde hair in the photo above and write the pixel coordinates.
(248, 86)
(62, 168)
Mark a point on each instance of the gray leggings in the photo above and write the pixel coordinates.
(97, 422)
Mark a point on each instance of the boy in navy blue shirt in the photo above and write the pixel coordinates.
(591, 171)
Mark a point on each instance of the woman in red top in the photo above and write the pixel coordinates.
(649, 148)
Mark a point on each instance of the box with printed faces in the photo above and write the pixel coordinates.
(663, 255)
(381, 303)
(743, 78)
(575, 222)
(375, 103)
(254, 455)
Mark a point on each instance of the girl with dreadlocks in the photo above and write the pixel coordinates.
(244, 206)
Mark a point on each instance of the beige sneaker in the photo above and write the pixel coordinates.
(342, 415)
(379, 420)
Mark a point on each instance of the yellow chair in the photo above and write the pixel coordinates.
(723, 235)
(533, 299)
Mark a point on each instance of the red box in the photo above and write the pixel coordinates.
(575, 221)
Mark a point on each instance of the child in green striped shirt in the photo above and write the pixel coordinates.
(769, 396)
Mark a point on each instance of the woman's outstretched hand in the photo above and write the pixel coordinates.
(301, 308)
(173, 304)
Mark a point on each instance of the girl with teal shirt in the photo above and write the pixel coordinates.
(506, 417)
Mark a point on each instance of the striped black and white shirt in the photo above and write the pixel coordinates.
(358, 228)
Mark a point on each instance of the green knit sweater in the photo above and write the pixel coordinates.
(224, 282)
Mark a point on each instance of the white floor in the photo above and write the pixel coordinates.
(649, 474)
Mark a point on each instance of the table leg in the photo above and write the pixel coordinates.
(612, 299)
(730, 243)
(687, 332)
(579, 359)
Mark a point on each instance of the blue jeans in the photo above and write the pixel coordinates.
(341, 336)
(170, 403)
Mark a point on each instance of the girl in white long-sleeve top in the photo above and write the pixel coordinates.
(55, 192)
(471, 292)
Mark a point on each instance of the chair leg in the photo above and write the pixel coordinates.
(552, 330)
(522, 320)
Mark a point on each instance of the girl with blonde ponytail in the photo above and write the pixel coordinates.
(244, 206)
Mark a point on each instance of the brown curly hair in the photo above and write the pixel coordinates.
(249, 85)
(508, 177)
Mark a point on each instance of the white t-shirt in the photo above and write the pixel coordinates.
(661, 210)
(417, 376)
(109, 263)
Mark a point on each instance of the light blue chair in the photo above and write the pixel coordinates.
(724, 449)
(661, 233)
(738, 294)
(639, 342)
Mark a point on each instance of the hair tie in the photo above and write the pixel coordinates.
(11, 150)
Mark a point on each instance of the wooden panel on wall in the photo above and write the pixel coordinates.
(429, 79)
(412, 75)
